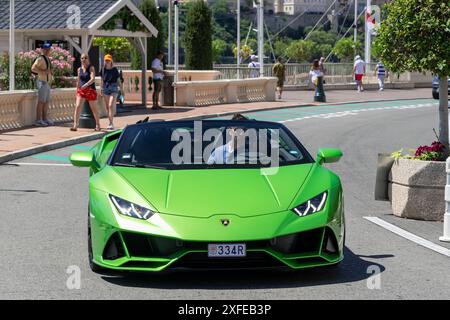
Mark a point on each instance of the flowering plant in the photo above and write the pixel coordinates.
(60, 59)
(434, 152)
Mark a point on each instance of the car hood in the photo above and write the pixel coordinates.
(208, 192)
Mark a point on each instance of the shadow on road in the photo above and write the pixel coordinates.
(352, 269)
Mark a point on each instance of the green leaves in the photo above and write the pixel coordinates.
(198, 37)
(300, 50)
(414, 36)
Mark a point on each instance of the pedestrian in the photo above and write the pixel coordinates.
(279, 71)
(381, 74)
(111, 83)
(315, 72)
(86, 92)
(158, 76)
(359, 69)
(254, 66)
(42, 70)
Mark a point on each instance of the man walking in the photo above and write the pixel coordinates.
(279, 71)
(381, 74)
(42, 69)
(359, 69)
(254, 67)
(158, 76)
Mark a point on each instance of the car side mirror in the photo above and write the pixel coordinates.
(328, 155)
(82, 158)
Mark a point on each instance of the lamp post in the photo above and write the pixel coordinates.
(12, 43)
(261, 37)
(169, 55)
(175, 4)
(238, 36)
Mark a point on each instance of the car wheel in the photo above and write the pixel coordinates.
(94, 267)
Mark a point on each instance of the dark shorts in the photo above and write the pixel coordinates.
(111, 89)
(280, 83)
(157, 84)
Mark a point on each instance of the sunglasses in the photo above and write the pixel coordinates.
(84, 58)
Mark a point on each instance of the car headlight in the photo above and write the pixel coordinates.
(311, 206)
(130, 209)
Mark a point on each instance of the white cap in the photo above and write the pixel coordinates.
(357, 57)
(253, 57)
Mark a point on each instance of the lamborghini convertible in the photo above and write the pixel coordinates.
(169, 195)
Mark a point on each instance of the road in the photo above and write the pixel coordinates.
(44, 202)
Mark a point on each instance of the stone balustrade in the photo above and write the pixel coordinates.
(202, 93)
(18, 108)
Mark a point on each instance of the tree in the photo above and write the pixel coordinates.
(218, 48)
(118, 47)
(154, 45)
(197, 37)
(414, 37)
(345, 49)
(300, 50)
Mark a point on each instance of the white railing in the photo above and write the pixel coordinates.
(202, 93)
(298, 74)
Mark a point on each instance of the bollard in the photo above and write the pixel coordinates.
(446, 236)
(319, 95)
(87, 119)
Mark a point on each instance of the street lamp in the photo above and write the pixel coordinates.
(11, 45)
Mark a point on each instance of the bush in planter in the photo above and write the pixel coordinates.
(434, 152)
(417, 183)
(60, 59)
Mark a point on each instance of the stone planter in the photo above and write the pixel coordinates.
(417, 188)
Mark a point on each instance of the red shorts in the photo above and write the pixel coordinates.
(87, 93)
(358, 77)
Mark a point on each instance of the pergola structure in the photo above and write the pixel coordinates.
(75, 21)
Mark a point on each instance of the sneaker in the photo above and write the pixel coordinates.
(40, 123)
(110, 127)
(381, 89)
(49, 122)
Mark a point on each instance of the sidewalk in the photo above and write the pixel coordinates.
(27, 141)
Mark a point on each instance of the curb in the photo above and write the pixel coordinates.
(90, 137)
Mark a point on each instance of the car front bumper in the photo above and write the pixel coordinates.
(167, 241)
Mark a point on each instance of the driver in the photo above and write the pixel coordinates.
(223, 153)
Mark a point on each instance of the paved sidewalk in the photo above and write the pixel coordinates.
(23, 142)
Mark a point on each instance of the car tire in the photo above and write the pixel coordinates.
(94, 267)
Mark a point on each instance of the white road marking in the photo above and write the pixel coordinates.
(40, 164)
(409, 236)
(357, 111)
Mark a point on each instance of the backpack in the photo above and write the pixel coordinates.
(47, 62)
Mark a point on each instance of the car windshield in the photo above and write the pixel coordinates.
(208, 144)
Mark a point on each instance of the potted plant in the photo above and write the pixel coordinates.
(416, 183)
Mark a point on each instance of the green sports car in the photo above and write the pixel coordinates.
(211, 194)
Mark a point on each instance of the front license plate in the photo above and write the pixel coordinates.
(226, 250)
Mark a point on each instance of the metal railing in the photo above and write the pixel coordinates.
(297, 74)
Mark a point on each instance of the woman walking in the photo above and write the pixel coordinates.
(86, 92)
(315, 72)
(110, 87)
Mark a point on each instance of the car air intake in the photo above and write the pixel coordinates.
(114, 248)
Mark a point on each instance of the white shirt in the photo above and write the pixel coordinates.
(315, 74)
(221, 154)
(254, 73)
(158, 65)
(359, 66)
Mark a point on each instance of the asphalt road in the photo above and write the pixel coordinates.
(43, 230)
